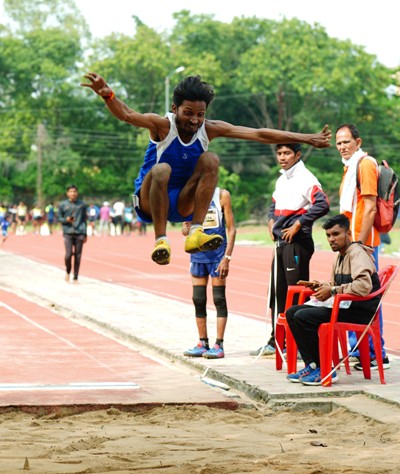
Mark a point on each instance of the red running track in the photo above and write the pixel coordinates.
(48, 361)
(125, 260)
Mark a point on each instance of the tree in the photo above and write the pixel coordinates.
(278, 74)
(40, 52)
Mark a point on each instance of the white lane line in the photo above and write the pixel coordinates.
(20, 387)
(60, 338)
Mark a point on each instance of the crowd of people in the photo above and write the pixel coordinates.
(105, 219)
(115, 219)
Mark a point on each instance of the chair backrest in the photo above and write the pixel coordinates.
(387, 275)
(301, 291)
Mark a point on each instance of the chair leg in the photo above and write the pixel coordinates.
(335, 351)
(291, 353)
(376, 340)
(279, 341)
(325, 352)
(342, 336)
(364, 356)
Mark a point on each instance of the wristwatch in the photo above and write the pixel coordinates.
(333, 290)
(228, 257)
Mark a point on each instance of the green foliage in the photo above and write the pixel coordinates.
(6, 191)
(278, 74)
(232, 182)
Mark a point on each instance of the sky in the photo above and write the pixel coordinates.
(371, 24)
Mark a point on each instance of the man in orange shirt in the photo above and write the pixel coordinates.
(358, 203)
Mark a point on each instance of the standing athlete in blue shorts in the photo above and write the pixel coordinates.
(178, 177)
(4, 225)
(215, 264)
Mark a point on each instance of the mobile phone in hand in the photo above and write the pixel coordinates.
(309, 284)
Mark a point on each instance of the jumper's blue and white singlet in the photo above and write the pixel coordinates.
(182, 157)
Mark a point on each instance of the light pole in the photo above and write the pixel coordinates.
(41, 134)
(178, 69)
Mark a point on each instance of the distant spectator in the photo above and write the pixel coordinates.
(118, 217)
(4, 224)
(3, 211)
(50, 216)
(141, 225)
(92, 215)
(129, 219)
(37, 217)
(104, 222)
(22, 214)
(12, 211)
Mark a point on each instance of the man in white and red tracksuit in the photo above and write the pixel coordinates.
(297, 202)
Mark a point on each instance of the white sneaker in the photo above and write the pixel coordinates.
(264, 351)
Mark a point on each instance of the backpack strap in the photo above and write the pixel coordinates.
(358, 165)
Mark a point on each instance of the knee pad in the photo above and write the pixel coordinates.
(200, 301)
(220, 301)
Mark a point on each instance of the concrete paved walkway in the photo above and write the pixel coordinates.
(166, 327)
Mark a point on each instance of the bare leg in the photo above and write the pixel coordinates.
(197, 193)
(221, 325)
(202, 327)
(154, 196)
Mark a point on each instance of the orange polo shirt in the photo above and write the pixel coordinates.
(368, 179)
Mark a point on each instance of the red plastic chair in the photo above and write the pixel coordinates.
(329, 332)
(282, 330)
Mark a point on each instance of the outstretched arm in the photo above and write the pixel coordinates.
(218, 128)
(157, 125)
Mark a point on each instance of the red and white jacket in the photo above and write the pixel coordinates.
(298, 195)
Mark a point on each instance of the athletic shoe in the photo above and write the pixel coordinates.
(374, 364)
(199, 241)
(161, 253)
(314, 378)
(264, 351)
(197, 351)
(295, 378)
(217, 352)
(353, 360)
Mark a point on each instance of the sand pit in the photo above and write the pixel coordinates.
(198, 440)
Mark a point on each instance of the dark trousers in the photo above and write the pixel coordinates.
(352, 335)
(73, 246)
(304, 321)
(292, 265)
